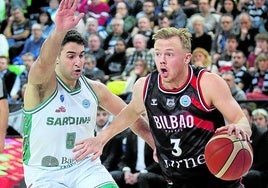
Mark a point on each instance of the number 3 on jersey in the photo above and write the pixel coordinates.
(176, 151)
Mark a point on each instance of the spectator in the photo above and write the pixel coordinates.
(225, 29)
(4, 112)
(257, 175)
(115, 63)
(145, 28)
(200, 38)
(122, 11)
(10, 79)
(112, 151)
(140, 51)
(4, 45)
(32, 44)
(225, 59)
(149, 10)
(53, 8)
(242, 76)
(96, 9)
(92, 27)
(162, 21)
(137, 168)
(91, 71)
(258, 13)
(201, 57)
(117, 32)
(112, 4)
(17, 31)
(230, 7)
(140, 70)
(260, 117)
(246, 34)
(176, 14)
(210, 20)
(261, 40)
(95, 48)
(28, 60)
(237, 92)
(47, 24)
(259, 84)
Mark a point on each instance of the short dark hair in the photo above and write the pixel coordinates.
(73, 36)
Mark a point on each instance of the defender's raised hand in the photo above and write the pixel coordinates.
(66, 17)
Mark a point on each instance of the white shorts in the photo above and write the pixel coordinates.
(85, 174)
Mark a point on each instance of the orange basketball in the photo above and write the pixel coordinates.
(228, 157)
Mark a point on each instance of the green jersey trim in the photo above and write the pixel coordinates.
(108, 185)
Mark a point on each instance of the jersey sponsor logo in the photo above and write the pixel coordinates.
(185, 100)
(61, 121)
(174, 122)
(60, 109)
(154, 102)
(186, 163)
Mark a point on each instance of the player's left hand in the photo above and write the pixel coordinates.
(234, 129)
(88, 146)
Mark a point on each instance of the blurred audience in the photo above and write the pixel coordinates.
(237, 92)
(201, 58)
(259, 83)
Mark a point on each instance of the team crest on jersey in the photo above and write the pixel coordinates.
(185, 100)
(86, 103)
(154, 102)
(170, 103)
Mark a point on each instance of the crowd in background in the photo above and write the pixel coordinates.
(229, 38)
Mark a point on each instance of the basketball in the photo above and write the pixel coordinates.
(228, 157)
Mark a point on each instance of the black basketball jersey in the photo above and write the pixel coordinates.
(181, 123)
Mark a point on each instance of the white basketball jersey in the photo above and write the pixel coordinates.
(52, 129)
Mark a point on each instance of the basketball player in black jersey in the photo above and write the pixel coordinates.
(185, 105)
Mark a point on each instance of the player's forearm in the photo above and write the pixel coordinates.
(244, 124)
(52, 47)
(141, 128)
(121, 122)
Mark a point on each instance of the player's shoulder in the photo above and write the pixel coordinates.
(209, 78)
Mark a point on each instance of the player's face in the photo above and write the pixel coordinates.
(71, 61)
(171, 59)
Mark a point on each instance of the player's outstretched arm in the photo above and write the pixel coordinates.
(127, 116)
(65, 20)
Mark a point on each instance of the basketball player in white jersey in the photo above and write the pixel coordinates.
(60, 107)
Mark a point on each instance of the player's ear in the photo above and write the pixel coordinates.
(187, 58)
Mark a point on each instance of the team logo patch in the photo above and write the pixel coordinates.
(86, 103)
(185, 101)
(170, 102)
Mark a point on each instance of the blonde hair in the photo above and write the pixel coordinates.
(207, 61)
(260, 57)
(182, 33)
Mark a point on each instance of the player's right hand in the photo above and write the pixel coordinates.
(86, 147)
